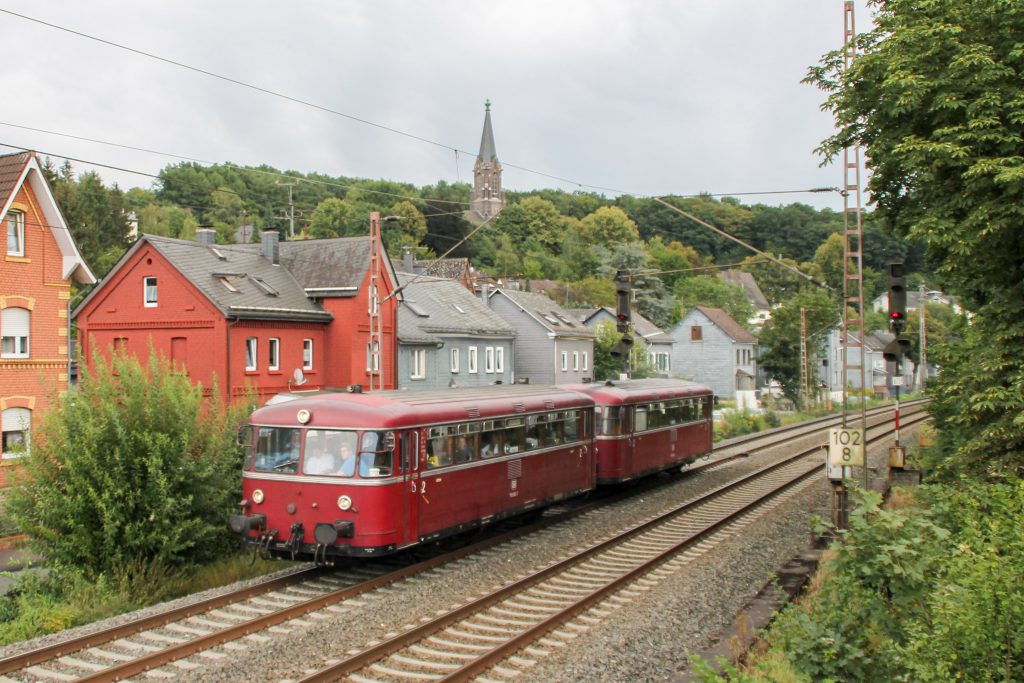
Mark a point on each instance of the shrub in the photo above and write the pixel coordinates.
(135, 467)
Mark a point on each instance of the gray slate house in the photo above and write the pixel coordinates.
(713, 349)
(877, 373)
(449, 337)
(657, 343)
(552, 347)
(752, 292)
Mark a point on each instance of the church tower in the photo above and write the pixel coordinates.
(488, 198)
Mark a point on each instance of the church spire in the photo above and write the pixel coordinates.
(487, 152)
(487, 198)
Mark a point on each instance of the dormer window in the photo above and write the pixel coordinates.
(15, 233)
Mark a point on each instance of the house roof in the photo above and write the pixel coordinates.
(15, 171)
(337, 265)
(258, 289)
(724, 321)
(487, 152)
(435, 307)
(641, 325)
(545, 311)
(749, 285)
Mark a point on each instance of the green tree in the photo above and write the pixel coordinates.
(935, 98)
(134, 467)
(780, 339)
(609, 226)
(407, 231)
(711, 290)
(328, 218)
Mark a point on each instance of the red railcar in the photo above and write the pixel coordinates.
(648, 425)
(338, 475)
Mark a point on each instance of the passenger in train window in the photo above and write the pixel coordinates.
(489, 444)
(346, 461)
(463, 450)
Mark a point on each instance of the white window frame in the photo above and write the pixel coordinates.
(145, 292)
(252, 359)
(418, 366)
(575, 361)
(499, 359)
(14, 420)
(471, 360)
(307, 354)
(15, 343)
(489, 360)
(586, 361)
(274, 354)
(455, 360)
(16, 229)
(374, 304)
(565, 361)
(372, 357)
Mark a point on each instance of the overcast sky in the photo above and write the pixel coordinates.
(647, 97)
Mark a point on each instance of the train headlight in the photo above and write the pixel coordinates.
(344, 503)
(303, 416)
(257, 496)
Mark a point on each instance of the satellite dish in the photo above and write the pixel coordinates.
(299, 378)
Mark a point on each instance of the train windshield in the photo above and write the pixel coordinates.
(330, 452)
(277, 450)
(375, 455)
(610, 423)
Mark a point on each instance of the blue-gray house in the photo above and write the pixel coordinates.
(448, 337)
(713, 349)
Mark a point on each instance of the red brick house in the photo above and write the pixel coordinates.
(250, 315)
(40, 261)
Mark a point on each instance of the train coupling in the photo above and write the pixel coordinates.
(243, 524)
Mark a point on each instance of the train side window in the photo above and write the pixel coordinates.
(571, 426)
(277, 450)
(375, 458)
(641, 418)
(514, 436)
(535, 431)
(610, 424)
(439, 448)
(465, 448)
(490, 443)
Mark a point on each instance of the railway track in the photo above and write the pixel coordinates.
(146, 644)
(535, 614)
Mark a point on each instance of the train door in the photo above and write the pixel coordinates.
(627, 442)
(409, 456)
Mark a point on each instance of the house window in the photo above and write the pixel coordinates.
(455, 360)
(499, 359)
(274, 354)
(15, 233)
(373, 357)
(16, 423)
(149, 292)
(575, 361)
(739, 357)
(307, 354)
(696, 334)
(489, 360)
(586, 361)
(179, 352)
(419, 364)
(250, 354)
(374, 303)
(14, 332)
(471, 360)
(565, 361)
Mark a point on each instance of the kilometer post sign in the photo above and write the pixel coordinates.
(845, 449)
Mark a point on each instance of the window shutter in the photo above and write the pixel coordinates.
(15, 322)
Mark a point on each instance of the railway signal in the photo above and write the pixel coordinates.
(896, 349)
(623, 293)
(897, 297)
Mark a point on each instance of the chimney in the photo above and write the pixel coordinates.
(407, 262)
(485, 290)
(206, 236)
(269, 243)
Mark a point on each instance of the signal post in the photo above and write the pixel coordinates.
(623, 317)
(897, 349)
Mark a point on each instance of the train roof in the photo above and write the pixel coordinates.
(641, 390)
(394, 409)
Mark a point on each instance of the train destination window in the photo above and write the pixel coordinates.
(277, 450)
(329, 452)
(374, 456)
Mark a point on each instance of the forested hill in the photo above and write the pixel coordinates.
(576, 238)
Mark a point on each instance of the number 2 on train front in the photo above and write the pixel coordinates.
(846, 447)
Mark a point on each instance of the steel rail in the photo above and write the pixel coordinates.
(419, 632)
